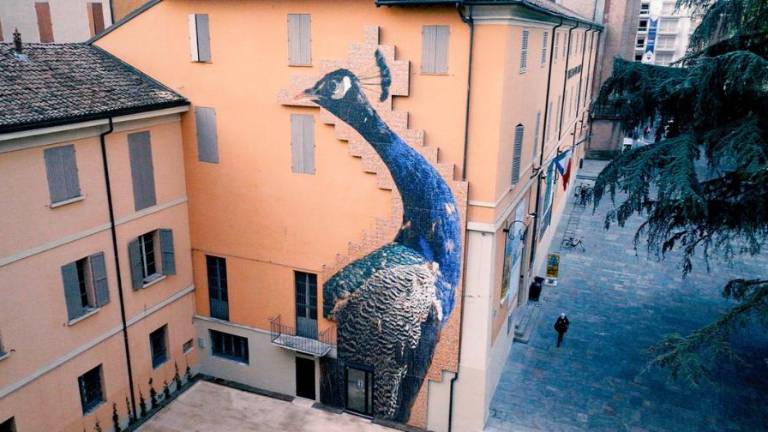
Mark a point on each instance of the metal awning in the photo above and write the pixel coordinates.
(303, 345)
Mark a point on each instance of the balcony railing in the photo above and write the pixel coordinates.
(286, 337)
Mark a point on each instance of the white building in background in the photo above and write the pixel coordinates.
(54, 21)
(663, 32)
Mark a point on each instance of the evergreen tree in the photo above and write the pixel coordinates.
(703, 184)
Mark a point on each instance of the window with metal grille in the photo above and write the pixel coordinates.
(524, 52)
(544, 46)
(91, 389)
(158, 344)
(229, 346)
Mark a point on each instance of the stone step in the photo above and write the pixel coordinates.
(525, 320)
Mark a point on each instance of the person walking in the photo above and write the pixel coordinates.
(561, 326)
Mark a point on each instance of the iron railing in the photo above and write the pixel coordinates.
(286, 336)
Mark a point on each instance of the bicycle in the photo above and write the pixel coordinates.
(583, 194)
(572, 242)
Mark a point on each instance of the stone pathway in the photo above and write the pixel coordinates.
(619, 304)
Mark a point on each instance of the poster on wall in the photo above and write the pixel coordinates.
(513, 250)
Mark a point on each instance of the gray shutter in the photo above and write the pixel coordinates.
(207, 141)
(71, 291)
(544, 43)
(203, 38)
(302, 143)
(549, 122)
(536, 133)
(61, 170)
(518, 148)
(69, 167)
(299, 43)
(524, 51)
(135, 261)
(142, 171)
(166, 250)
(428, 42)
(99, 274)
(441, 49)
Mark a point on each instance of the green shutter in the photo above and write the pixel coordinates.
(99, 274)
(72, 291)
(137, 271)
(166, 250)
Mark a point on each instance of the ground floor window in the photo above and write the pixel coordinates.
(359, 383)
(229, 346)
(91, 389)
(8, 425)
(158, 344)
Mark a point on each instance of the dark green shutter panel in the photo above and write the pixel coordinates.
(166, 250)
(517, 151)
(142, 171)
(137, 270)
(99, 274)
(72, 291)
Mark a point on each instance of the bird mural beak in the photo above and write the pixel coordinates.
(307, 94)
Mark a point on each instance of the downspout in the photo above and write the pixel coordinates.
(471, 24)
(543, 144)
(581, 75)
(594, 78)
(565, 82)
(113, 231)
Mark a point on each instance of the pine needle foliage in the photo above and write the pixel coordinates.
(702, 186)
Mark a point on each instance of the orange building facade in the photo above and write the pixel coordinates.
(371, 189)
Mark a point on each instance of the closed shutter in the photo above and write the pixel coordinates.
(99, 275)
(142, 171)
(554, 49)
(299, 40)
(302, 143)
(137, 269)
(544, 47)
(203, 38)
(559, 113)
(524, 52)
(536, 134)
(517, 153)
(441, 49)
(61, 170)
(44, 25)
(434, 49)
(207, 141)
(166, 251)
(72, 291)
(549, 122)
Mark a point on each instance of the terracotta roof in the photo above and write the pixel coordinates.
(54, 84)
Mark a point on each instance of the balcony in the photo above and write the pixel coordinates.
(286, 337)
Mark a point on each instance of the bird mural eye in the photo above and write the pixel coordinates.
(340, 89)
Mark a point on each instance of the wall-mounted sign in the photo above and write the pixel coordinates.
(553, 265)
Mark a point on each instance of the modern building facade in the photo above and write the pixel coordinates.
(663, 32)
(92, 267)
(54, 21)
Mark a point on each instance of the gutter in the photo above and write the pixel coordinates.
(469, 21)
(581, 75)
(543, 144)
(113, 231)
(565, 82)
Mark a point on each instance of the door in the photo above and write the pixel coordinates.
(217, 287)
(305, 378)
(359, 384)
(306, 305)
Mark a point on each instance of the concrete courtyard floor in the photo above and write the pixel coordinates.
(620, 302)
(210, 407)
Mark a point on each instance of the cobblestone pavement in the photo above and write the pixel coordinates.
(619, 303)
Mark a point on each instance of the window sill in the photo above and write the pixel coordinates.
(93, 408)
(148, 282)
(4, 355)
(90, 313)
(58, 204)
(435, 73)
(299, 65)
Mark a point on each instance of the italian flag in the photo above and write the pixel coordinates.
(563, 164)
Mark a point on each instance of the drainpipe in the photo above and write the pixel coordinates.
(581, 75)
(596, 46)
(565, 81)
(113, 231)
(543, 144)
(467, 19)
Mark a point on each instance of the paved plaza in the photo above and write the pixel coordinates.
(619, 303)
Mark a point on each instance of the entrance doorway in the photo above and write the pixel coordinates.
(305, 378)
(359, 384)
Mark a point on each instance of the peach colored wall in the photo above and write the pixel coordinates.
(34, 319)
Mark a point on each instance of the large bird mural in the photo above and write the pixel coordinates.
(391, 304)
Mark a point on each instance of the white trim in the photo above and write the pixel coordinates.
(83, 348)
(4, 261)
(66, 201)
(83, 316)
(157, 277)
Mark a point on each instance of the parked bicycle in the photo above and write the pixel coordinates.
(583, 193)
(572, 242)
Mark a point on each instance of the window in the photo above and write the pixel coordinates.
(142, 171)
(44, 26)
(544, 42)
(85, 285)
(306, 304)
(565, 46)
(61, 170)
(188, 345)
(434, 49)
(638, 57)
(643, 26)
(229, 346)
(95, 18)
(517, 152)
(668, 25)
(559, 113)
(299, 40)
(640, 42)
(536, 127)
(199, 38)
(217, 287)
(549, 122)
(207, 142)
(151, 256)
(557, 44)
(8, 425)
(302, 144)
(524, 52)
(644, 8)
(91, 389)
(158, 345)
(3, 353)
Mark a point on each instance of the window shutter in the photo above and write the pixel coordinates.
(428, 42)
(517, 153)
(524, 52)
(69, 167)
(207, 142)
(299, 43)
(44, 25)
(441, 49)
(544, 47)
(99, 274)
(61, 170)
(554, 48)
(142, 172)
(192, 24)
(559, 112)
(302, 143)
(166, 250)
(134, 258)
(536, 134)
(203, 38)
(95, 18)
(549, 124)
(72, 291)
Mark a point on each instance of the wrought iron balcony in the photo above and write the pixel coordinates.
(286, 337)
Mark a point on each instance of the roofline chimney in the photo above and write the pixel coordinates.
(17, 40)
